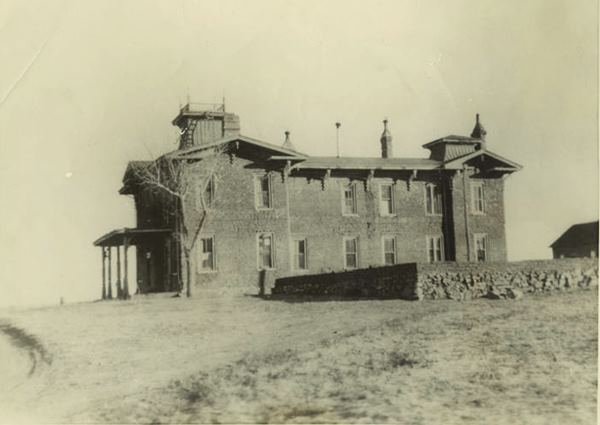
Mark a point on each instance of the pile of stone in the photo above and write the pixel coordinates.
(501, 284)
(452, 285)
(504, 292)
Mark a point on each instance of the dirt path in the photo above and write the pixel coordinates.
(23, 359)
(105, 353)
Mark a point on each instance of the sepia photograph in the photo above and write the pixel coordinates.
(302, 211)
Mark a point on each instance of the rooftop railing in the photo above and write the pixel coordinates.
(203, 107)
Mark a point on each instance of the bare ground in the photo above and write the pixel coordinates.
(214, 359)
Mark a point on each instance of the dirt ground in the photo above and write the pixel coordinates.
(243, 359)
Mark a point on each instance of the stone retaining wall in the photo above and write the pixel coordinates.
(458, 281)
(461, 281)
(380, 282)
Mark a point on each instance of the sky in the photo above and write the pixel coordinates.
(86, 86)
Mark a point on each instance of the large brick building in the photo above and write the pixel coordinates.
(280, 210)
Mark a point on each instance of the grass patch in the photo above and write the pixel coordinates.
(485, 361)
(479, 362)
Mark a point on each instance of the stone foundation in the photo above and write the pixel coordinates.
(458, 281)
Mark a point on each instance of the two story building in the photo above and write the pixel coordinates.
(277, 209)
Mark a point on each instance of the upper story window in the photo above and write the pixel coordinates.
(262, 192)
(477, 198)
(351, 252)
(209, 192)
(389, 250)
(435, 249)
(265, 251)
(433, 199)
(206, 254)
(349, 200)
(386, 199)
(300, 254)
(480, 247)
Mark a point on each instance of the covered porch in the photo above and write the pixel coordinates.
(155, 257)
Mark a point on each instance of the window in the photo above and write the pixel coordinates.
(349, 201)
(206, 257)
(433, 199)
(386, 199)
(480, 247)
(262, 191)
(389, 250)
(300, 261)
(350, 253)
(477, 198)
(435, 249)
(265, 251)
(209, 193)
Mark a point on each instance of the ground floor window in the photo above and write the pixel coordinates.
(435, 249)
(300, 260)
(265, 251)
(351, 252)
(481, 247)
(206, 254)
(389, 250)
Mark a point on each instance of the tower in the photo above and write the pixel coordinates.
(205, 124)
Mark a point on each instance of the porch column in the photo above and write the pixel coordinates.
(103, 273)
(125, 274)
(168, 250)
(119, 291)
(109, 274)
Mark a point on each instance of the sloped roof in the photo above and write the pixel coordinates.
(133, 166)
(458, 162)
(259, 143)
(129, 178)
(452, 138)
(301, 161)
(579, 234)
(134, 236)
(362, 163)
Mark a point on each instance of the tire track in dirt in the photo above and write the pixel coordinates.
(38, 355)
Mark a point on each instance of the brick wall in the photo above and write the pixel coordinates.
(459, 281)
(303, 206)
(491, 223)
(315, 214)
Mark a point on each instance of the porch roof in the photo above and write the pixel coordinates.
(134, 236)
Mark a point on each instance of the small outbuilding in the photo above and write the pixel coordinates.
(580, 240)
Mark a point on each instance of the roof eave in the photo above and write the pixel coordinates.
(450, 140)
(242, 138)
(457, 163)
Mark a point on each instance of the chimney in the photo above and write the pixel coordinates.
(337, 137)
(386, 141)
(287, 143)
(479, 132)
